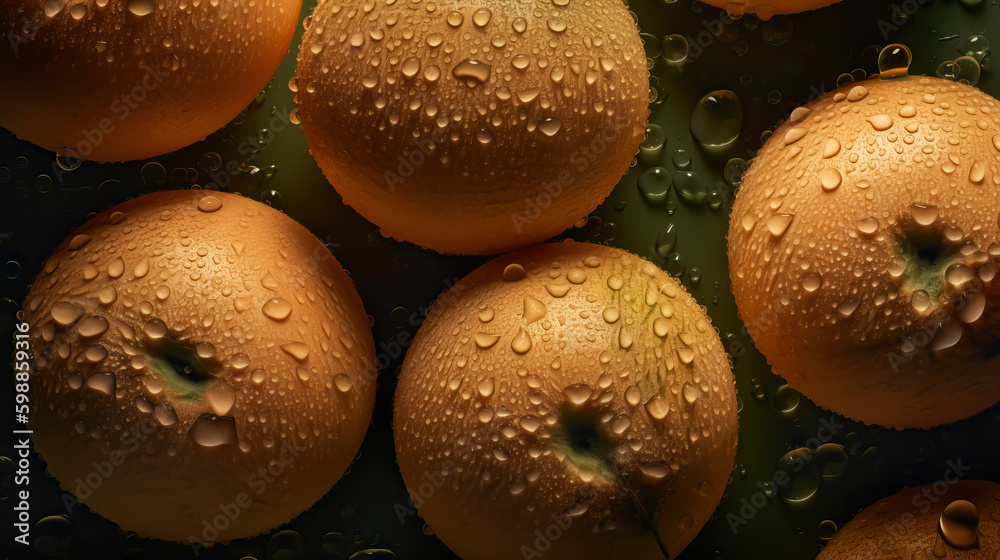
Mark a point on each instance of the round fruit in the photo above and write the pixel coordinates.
(473, 130)
(196, 351)
(956, 519)
(767, 8)
(863, 249)
(572, 390)
(132, 79)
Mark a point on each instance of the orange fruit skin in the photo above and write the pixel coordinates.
(824, 259)
(477, 428)
(113, 86)
(907, 524)
(767, 8)
(129, 448)
(464, 166)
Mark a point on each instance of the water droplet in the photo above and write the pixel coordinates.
(778, 223)
(924, 215)
(948, 337)
(472, 71)
(410, 67)
(881, 122)
(558, 290)
(521, 342)
(972, 308)
(830, 178)
(519, 24)
(958, 275)
(658, 407)
(277, 308)
(577, 275)
(894, 62)
(65, 314)
(210, 430)
(802, 475)
(165, 415)
(690, 392)
(654, 185)
(786, 399)
(848, 307)
(578, 393)
(655, 470)
(827, 530)
(103, 382)
(533, 310)
(633, 395)
(92, 326)
(674, 48)
(620, 424)
(486, 387)
(481, 17)
(342, 382)
(857, 93)
(652, 145)
(78, 241)
(812, 282)
(209, 204)
(514, 272)
(530, 423)
(959, 524)
(141, 8)
(297, 350)
(717, 119)
(690, 187)
(141, 268)
(221, 398)
(610, 314)
(868, 225)
(550, 126)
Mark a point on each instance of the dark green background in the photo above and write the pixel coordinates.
(397, 279)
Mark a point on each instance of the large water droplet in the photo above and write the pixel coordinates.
(717, 119)
(521, 342)
(959, 524)
(803, 477)
(65, 313)
(924, 215)
(141, 8)
(578, 393)
(221, 397)
(654, 185)
(472, 71)
(210, 430)
(103, 382)
(487, 386)
(533, 310)
(486, 340)
(277, 308)
(894, 62)
(209, 204)
(778, 223)
(92, 326)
